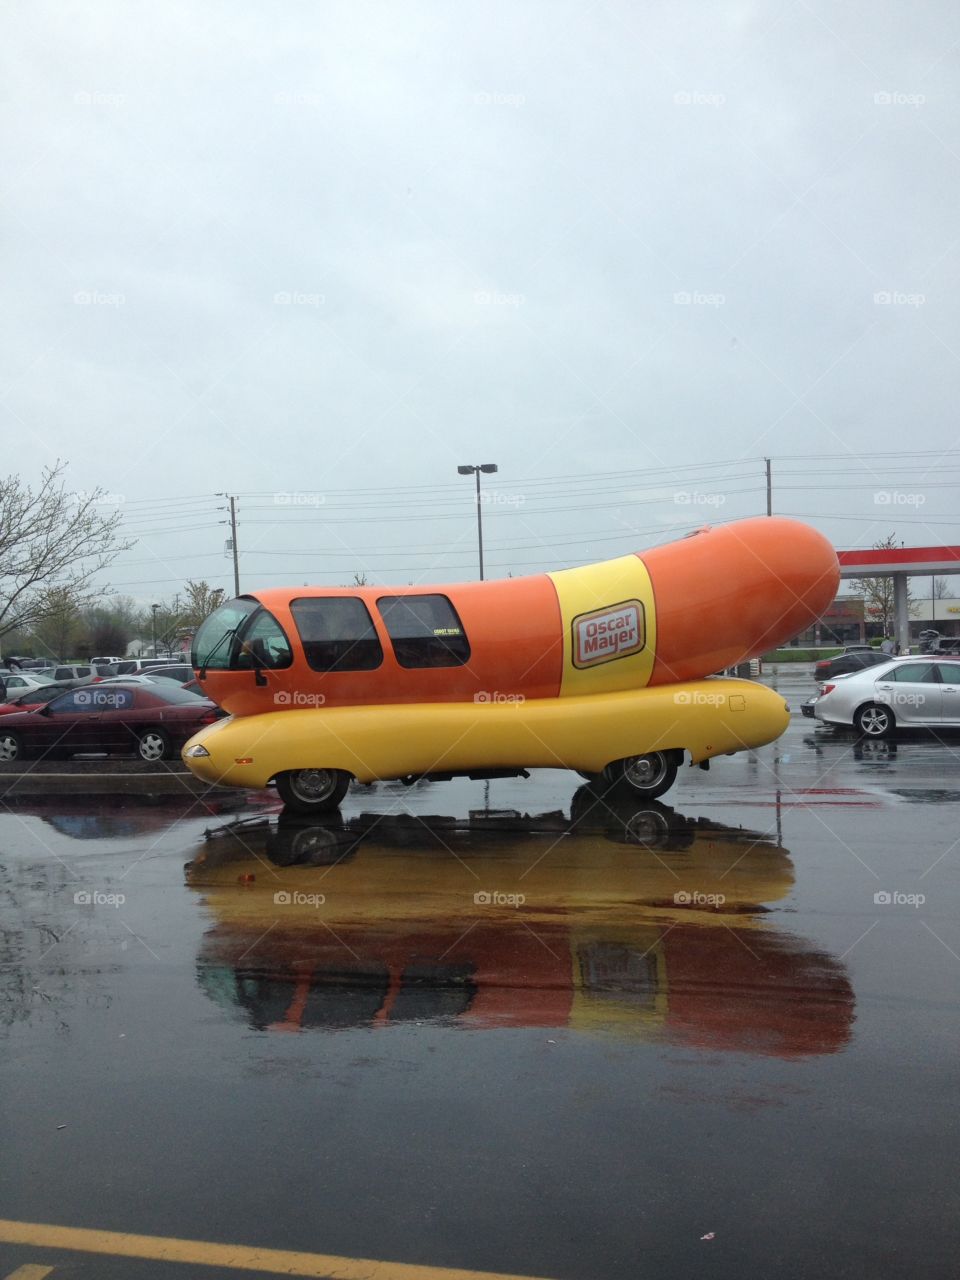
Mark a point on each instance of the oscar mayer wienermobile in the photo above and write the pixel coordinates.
(602, 669)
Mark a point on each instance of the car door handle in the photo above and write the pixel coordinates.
(885, 687)
(949, 688)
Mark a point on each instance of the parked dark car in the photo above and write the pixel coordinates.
(153, 721)
(33, 698)
(852, 660)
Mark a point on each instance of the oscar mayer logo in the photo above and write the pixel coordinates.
(604, 634)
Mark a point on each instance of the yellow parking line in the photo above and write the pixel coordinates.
(235, 1256)
(29, 1271)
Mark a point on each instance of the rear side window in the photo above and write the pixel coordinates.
(337, 633)
(914, 673)
(425, 631)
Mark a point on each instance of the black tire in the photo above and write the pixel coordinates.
(153, 744)
(312, 790)
(647, 775)
(875, 721)
(11, 746)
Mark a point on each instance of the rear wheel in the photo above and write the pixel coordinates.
(11, 746)
(312, 790)
(648, 775)
(153, 745)
(875, 721)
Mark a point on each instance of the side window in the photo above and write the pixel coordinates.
(425, 631)
(915, 673)
(75, 703)
(337, 633)
(263, 644)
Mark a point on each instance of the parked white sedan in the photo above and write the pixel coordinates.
(903, 691)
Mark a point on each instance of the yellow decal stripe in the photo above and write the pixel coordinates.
(609, 626)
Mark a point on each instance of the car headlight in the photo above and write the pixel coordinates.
(196, 751)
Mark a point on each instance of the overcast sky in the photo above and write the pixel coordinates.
(294, 250)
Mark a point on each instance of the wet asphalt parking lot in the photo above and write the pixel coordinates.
(500, 1027)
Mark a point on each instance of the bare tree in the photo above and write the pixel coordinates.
(941, 589)
(51, 539)
(202, 599)
(877, 593)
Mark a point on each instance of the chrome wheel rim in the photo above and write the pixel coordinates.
(9, 748)
(313, 785)
(644, 772)
(152, 746)
(874, 720)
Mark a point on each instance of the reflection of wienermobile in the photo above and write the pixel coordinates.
(598, 669)
(649, 924)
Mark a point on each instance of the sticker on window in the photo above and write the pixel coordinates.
(615, 631)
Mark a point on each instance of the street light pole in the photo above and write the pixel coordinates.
(488, 468)
(154, 608)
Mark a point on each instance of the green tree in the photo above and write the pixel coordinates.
(57, 628)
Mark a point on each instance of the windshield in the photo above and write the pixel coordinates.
(213, 643)
(239, 636)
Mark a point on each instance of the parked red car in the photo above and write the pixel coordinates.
(152, 720)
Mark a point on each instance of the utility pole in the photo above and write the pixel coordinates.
(233, 540)
(769, 489)
(236, 554)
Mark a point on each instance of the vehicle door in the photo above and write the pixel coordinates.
(68, 723)
(912, 690)
(950, 692)
(117, 726)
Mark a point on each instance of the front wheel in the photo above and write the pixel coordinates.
(875, 721)
(312, 790)
(11, 747)
(648, 775)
